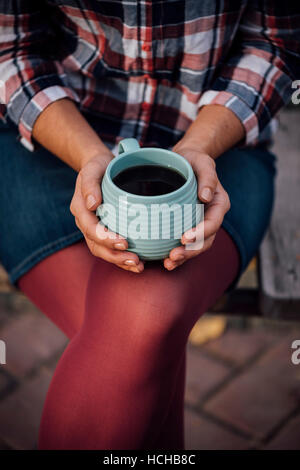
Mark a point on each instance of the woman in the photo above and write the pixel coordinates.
(78, 76)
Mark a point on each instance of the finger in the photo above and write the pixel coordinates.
(124, 258)
(205, 169)
(195, 237)
(180, 255)
(214, 214)
(95, 231)
(213, 218)
(90, 178)
(134, 269)
(170, 265)
(189, 253)
(128, 261)
(90, 226)
(110, 239)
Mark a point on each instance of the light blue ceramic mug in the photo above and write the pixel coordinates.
(152, 225)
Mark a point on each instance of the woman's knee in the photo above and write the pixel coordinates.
(151, 305)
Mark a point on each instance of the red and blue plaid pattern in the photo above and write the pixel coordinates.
(144, 68)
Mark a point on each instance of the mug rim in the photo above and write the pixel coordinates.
(155, 149)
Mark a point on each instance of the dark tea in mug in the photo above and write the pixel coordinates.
(149, 180)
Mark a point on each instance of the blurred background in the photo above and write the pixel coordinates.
(242, 389)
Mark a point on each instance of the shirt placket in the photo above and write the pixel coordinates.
(148, 67)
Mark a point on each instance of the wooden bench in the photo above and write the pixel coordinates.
(278, 260)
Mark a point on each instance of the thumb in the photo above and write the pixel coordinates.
(205, 169)
(91, 176)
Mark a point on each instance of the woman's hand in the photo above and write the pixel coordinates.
(211, 192)
(87, 196)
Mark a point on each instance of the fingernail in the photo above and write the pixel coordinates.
(170, 268)
(206, 194)
(90, 201)
(130, 262)
(119, 246)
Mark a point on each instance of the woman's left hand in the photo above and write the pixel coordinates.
(217, 203)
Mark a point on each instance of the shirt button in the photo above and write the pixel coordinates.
(146, 106)
(146, 47)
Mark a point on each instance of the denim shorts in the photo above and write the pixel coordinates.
(37, 188)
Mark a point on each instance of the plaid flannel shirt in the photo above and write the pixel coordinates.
(145, 67)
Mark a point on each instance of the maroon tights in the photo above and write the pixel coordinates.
(120, 382)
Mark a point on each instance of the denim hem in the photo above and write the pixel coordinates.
(40, 254)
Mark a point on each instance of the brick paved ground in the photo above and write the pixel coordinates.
(242, 390)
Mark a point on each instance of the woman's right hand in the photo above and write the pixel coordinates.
(87, 196)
